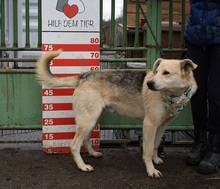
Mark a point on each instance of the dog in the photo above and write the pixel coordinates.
(155, 96)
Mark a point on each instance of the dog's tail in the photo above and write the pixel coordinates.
(45, 76)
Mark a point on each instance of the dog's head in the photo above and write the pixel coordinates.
(171, 74)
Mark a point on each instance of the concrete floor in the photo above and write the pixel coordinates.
(25, 166)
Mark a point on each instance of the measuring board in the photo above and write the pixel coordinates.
(74, 27)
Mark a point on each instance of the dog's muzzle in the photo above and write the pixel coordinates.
(151, 85)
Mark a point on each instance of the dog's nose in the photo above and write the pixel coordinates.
(150, 85)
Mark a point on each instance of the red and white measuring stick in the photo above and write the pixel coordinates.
(74, 27)
(58, 112)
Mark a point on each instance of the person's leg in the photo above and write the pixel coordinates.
(214, 90)
(211, 161)
(199, 104)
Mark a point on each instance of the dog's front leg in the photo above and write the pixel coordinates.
(149, 134)
(157, 142)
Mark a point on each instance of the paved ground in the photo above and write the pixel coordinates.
(27, 167)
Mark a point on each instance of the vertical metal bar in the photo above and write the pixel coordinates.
(154, 10)
(39, 23)
(145, 33)
(173, 137)
(156, 25)
(183, 23)
(101, 23)
(128, 134)
(15, 22)
(27, 17)
(137, 16)
(112, 40)
(170, 40)
(125, 7)
(158, 29)
(2, 23)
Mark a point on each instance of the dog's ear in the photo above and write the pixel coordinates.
(156, 64)
(187, 65)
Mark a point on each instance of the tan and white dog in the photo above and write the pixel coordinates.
(156, 97)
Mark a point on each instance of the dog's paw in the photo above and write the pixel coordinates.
(154, 173)
(157, 160)
(96, 154)
(86, 168)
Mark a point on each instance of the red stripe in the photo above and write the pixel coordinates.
(65, 75)
(57, 92)
(57, 106)
(71, 47)
(57, 150)
(65, 135)
(58, 121)
(76, 62)
(58, 136)
(65, 150)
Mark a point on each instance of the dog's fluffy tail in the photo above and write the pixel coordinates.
(45, 76)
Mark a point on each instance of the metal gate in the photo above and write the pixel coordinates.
(127, 42)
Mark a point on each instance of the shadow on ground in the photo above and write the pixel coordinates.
(122, 168)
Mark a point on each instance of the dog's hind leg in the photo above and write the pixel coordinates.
(89, 148)
(86, 120)
(81, 134)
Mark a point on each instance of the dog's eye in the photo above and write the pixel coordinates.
(166, 73)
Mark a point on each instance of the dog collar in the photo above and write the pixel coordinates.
(176, 104)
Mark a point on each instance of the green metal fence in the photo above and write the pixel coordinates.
(20, 94)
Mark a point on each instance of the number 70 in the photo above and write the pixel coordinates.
(95, 55)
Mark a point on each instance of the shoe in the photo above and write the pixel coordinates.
(211, 161)
(197, 154)
(209, 164)
(198, 150)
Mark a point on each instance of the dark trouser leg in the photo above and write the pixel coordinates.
(199, 104)
(211, 161)
(214, 90)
